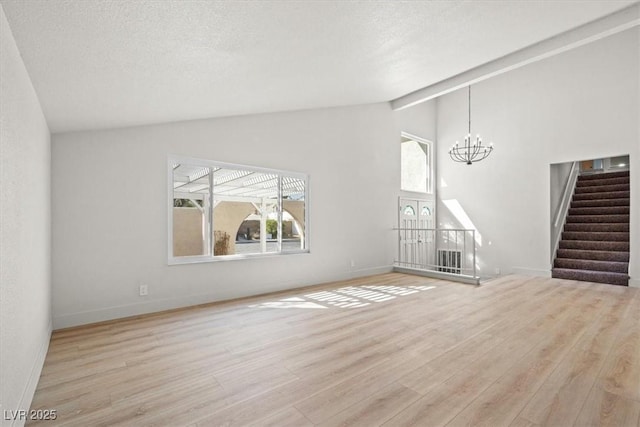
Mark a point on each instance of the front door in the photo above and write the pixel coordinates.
(416, 221)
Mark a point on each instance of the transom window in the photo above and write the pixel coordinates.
(226, 211)
(415, 164)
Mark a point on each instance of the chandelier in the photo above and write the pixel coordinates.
(470, 152)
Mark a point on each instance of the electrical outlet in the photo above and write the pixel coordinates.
(144, 290)
(497, 270)
(353, 263)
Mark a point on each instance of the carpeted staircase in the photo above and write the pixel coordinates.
(595, 240)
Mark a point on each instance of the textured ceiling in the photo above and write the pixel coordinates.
(106, 63)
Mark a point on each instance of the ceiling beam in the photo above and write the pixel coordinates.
(611, 24)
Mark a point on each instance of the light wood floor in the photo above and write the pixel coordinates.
(390, 350)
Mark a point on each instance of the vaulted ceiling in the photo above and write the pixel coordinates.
(109, 63)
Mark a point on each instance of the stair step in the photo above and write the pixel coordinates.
(600, 237)
(595, 239)
(597, 227)
(603, 181)
(591, 276)
(599, 203)
(593, 245)
(600, 210)
(598, 218)
(603, 195)
(607, 175)
(593, 265)
(594, 255)
(603, 188)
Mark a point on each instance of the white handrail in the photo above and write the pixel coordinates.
(563, 208)
(566, 194)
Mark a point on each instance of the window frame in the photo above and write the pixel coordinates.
(192, 259)
(429, 162)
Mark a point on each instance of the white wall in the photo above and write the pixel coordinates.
(419, 120)
(581, 104)
(110, 208)
(25, 232)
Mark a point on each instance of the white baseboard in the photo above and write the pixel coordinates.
(152, 306)
(531, 272)
(34, 377)
(128, 310)
(370, 271)
(634, 283)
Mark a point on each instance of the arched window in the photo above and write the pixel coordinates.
(408, 210)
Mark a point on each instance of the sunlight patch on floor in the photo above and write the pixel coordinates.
(289, 303)
(347, 297)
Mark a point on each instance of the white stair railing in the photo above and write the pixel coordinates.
(444, 252)
(563, 208)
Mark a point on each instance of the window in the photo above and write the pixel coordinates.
(408, 210)
(619, 162)
(225, 211)
(415, 164)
